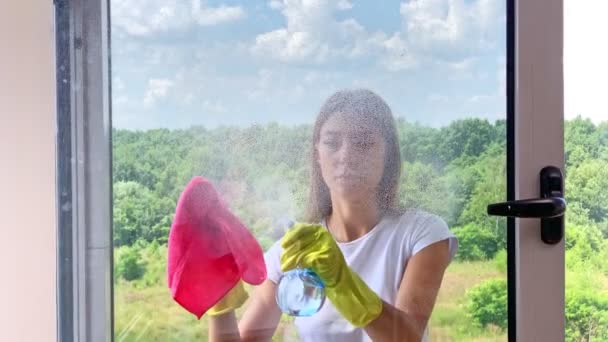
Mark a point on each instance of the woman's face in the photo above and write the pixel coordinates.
(351, 156)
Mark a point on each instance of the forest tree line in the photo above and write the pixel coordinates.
(452, 171)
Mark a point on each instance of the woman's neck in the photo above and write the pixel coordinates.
(349, 221)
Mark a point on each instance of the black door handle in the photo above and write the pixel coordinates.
(533, 207)
(550, 208)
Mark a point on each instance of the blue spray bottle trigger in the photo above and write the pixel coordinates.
(301, 291)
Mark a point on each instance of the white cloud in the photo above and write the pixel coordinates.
(157, 89)
(344, 5)
(445, 31)
(398, 56)
(312, 33)
(291, 46)
(146, 17)
(452, 28)
(464, 65)
(206, 16)
(275, 4)
(213, 107)
(271, 84)
(212, 76)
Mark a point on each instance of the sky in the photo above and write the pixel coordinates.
(178, 63)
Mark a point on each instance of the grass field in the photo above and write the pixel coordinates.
(150, 314)
(449, 321)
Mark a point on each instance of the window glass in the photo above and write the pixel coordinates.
(230, 91)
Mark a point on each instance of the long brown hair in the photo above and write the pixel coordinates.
(356, 104)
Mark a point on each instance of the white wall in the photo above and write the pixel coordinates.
(27, 171)
(585, 56)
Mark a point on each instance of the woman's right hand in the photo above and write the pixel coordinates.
(233, 300)
(259, 321)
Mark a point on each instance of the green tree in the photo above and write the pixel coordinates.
(586, 184)
(602, 132)
(423, 187)
(128, 264)
(418, 143)
(467, 137)
(581, 141)
(154, 258)
(489, 187)
(475, 242)
(487, 303)
(138, 213)
(586, 316)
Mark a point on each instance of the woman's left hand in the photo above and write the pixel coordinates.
(312, 246)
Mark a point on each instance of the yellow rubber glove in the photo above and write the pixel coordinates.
(312, 246)
(233, 300)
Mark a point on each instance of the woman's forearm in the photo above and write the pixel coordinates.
(224, 328)
(396, 325)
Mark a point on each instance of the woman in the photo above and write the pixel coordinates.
(382, 267)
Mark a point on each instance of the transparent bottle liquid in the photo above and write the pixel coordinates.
(301, 291)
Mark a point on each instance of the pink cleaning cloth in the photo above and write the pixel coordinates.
(210, 250)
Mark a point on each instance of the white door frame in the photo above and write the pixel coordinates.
(539, 141)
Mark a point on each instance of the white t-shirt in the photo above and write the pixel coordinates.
(379, 258)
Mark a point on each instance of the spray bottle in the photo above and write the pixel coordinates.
(301, 291)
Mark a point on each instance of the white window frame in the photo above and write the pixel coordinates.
(85, 248)
(535, 139)
(539, 141)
